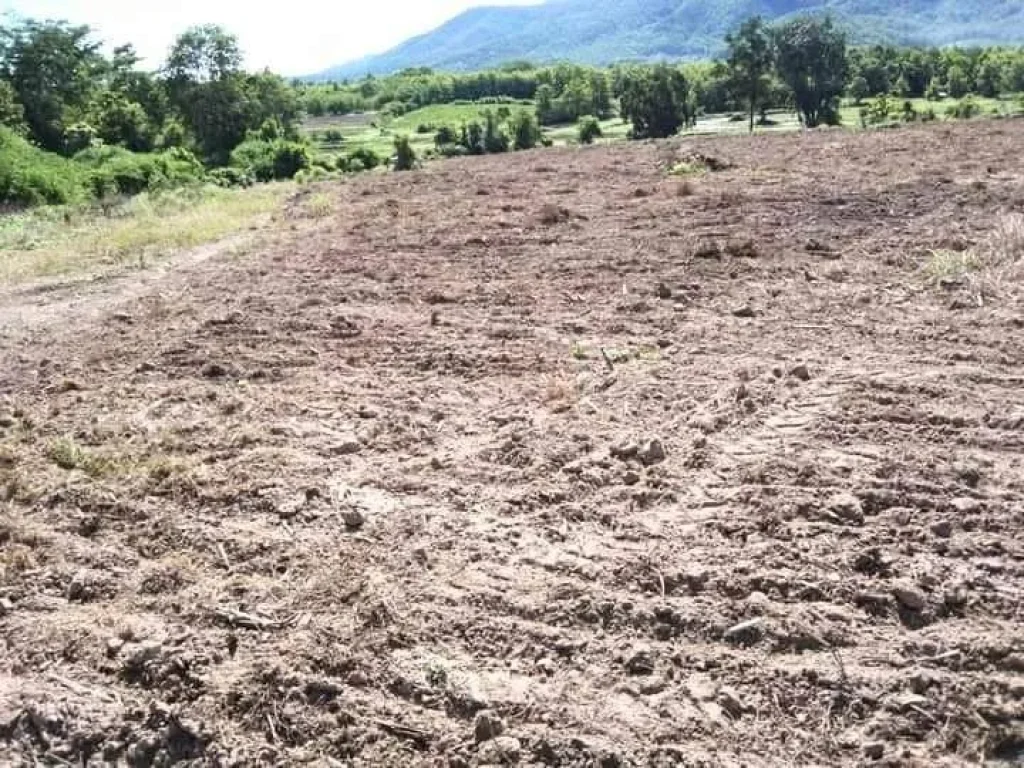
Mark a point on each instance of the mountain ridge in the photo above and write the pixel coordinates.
(605, 31)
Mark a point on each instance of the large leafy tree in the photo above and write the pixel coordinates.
(811, 58)
(53, 69)
(656, 101)
(219, 102)
(750, 63)
(203, 54)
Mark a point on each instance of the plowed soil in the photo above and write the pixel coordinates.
(618, 467)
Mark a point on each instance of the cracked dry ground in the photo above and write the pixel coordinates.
(326, 500)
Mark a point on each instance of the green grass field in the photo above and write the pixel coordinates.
(378, 133)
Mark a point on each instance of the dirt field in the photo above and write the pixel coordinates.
(618, 467)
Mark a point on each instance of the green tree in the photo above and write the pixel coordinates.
(989, 79)
(750, 62)
(472, 138)
(525, 130)
(545, 103)
(495, 138)
(52, 68)
(203, 54)
(957, 82)
(589, 129)
(123, 122)
(601, 94)
(811, 59)
(859, 89)
(656, 101)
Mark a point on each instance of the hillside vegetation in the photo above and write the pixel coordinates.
(605, 31)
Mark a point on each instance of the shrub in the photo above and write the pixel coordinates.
(964, 109)
(173, 135)
(405, 155)
(333, 136)
(31, 176)
(322, 162)
(270, 130)
(78, 137)
(525, 130)
(495, 138)
(366, 159)
(269, 160)
(452, 150)
(424, 128)
(472, 138)
(115, 170)
(230, 177)
(881, 110)
(589, 129)
(445, 136)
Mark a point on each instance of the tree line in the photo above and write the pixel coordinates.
(202, 115)
(770, 54)
(58, 88)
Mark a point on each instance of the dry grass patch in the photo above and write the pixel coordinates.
(52, 242)
(993, 269)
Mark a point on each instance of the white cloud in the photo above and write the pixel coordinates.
(297, 37)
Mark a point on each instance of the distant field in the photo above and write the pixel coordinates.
(376, 132)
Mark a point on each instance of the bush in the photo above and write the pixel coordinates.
(495, 138)
(31, 176)
(445, 136)
(362, 159)
(366, 157)
(472, 138)
(964, 109)
(322, 162)
(333, 136)
(589, 129)
(115, 170)
(231, 177)
(424, 128)
(452, 150)
(173, 135)
(405, 155)
(78, 137)
(269, 160)
(525, 131)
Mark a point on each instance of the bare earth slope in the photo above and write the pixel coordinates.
(657, 478)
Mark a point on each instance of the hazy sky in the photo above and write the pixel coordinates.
(293, 37)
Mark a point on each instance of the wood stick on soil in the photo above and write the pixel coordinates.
(223, 556)
(607, 360)
(405, 731)
(248, 620)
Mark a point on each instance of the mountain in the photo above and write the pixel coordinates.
(603, 31)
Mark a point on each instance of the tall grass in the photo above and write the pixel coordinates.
(57, 241)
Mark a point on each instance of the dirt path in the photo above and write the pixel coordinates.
(546, 444)
(43, 304)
